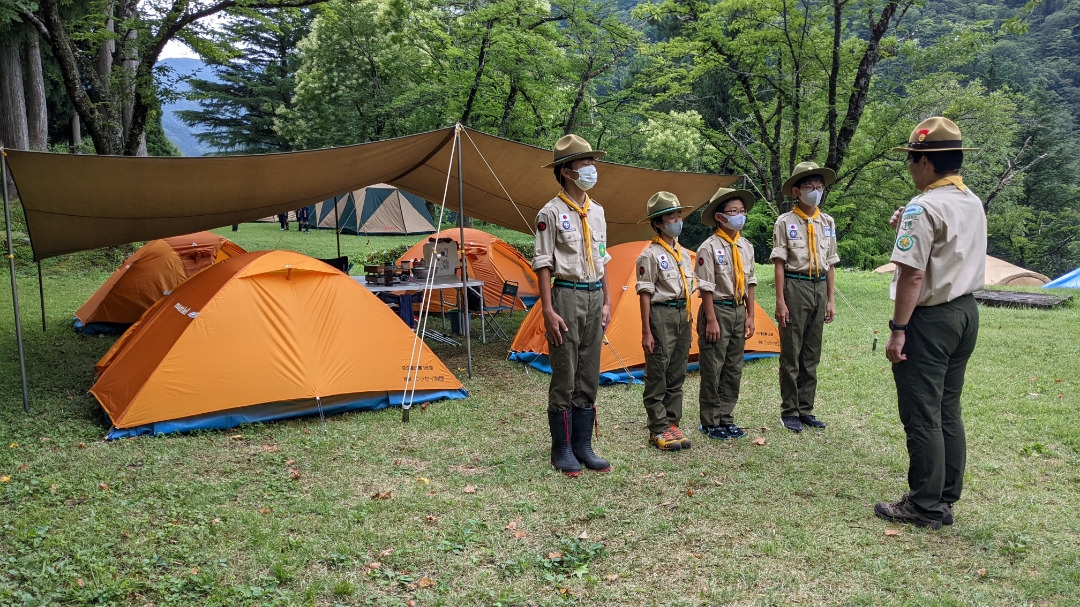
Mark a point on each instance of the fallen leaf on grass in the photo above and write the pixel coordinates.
(431, 519)
(306, 431)
(290, 462)
(611, 577)
(374, 566)
(659, 475)
(194, 571)
(759, 441)
(53, 488)
(1033, 378)
(381, 495)
(294, 473)
(665, 504)
(80, 582)
(519, 535)
(696, 555)
(423, 480)
(718, 483)
(1058, 381)
(513, 524)
(981, 571)
(584, 535)
(470, 488)
(565, 592)
(265, 510)
(411, 602)
(1061, 395)
(386, 552)
(689, 493)
(892, 532)
(425, 582)
(103, 486)
(24, 467)
(554, 555)
(703, 475)
(270, 448)
(13, 445)
(237, 437)
(5, 479)
(81, 445)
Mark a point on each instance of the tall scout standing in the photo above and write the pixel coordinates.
(804, 253)
(665, 278)
(940, 257)
(571, 251)
(725, 272)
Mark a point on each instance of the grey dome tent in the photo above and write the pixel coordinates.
(376, 209)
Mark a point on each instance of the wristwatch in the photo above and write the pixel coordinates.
(895, 327)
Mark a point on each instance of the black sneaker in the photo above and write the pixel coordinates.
(904, 511)
(792, 423)
(948, 520)
(734, 431)
(717, 432)
(810, 420)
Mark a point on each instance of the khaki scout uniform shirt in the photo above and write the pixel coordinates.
(943, 233)
(790, 243)
(658, 273)
(560, 242)
(715, 271)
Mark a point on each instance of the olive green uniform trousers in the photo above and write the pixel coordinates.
(721, 364)
(575, 364)
(665, 368)
(800, 345)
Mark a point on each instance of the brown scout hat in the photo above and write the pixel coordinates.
(808, 169)
(572, 147)
(662, 203)
(720, 197)
(937, 134)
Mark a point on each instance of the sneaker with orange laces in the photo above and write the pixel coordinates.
(666, 441)
(684, 442)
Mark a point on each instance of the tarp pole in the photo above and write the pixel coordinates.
(464, 266)
(41, 296)
(14, 287)
(337, 226)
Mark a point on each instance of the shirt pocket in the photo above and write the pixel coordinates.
(569, 237)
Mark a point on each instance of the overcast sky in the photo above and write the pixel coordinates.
(175, 49)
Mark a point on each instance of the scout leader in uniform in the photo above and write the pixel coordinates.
(665, 279)
(940, 257)
(725, 273)
(571, 251)
(804, 253)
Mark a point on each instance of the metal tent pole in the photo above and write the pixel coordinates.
(337, 226)
(14, 287)
(464, 265)
(41, 296)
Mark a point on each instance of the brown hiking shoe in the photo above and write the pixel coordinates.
(666, 441)
(674, 430)
(904, 511)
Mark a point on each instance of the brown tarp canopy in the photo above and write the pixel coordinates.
(79, 202)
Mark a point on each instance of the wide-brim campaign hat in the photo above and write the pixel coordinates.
(572, 147)
(720, 197)
(808, 169)
(937, 134)
(662, 203)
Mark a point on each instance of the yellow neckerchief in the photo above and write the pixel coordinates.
(811, 240)
(677, 254)
(736, 262)
(583, 212)
(955, 180)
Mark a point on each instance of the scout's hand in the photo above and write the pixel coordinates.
(782, 315)
(712, 331)
(749, 326)
(605, 315)
(555, 328)
(894, 350)
(647, 343)
(830, 311)
(894, 221)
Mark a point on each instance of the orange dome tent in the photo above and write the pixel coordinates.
(262, 336)
(624, 331)
(148, 274)
(490, 259)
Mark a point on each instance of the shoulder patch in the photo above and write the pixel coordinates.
(905, 242)
(700, 261)
(541, 226)
(641, 270)
(912, 210)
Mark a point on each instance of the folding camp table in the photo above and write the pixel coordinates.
(406, 289)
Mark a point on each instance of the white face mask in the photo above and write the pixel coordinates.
(586, 178)
(735, 223)
(672, 230)
(811, 198)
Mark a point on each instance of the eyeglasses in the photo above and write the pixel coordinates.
(733, 212)
(810, 188)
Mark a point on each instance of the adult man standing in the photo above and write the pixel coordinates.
(803, 256)
(571, 251)
(940, 257)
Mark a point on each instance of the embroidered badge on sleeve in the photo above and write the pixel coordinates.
(541, 226)
(905, 242)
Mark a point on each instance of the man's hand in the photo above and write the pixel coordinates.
(712, 331)
(605, 315)
(647, 342)
(894, 350)
(783, 317)
(894, 221)
(830, 310)
(555, 327)
(749, 324)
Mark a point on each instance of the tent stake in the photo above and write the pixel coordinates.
(14, 287)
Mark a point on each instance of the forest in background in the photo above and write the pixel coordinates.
(724, 86)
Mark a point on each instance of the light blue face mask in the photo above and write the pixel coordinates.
(735, 223)
(672, 230)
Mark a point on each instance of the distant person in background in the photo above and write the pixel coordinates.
(283, 220)
(302, 216)
(235, 227)
(940, 257)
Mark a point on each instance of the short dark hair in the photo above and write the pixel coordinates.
(558, 173)
(948, 161)
(798, 184)
(653, 222)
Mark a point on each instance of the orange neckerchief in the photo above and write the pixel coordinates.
(811, 240)
(583, 212)
(955, 180)
(736, 262)
(677, 254)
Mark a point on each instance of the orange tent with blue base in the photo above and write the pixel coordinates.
(259, 337)
(624, 331)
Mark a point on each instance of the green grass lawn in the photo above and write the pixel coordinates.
(472, 514)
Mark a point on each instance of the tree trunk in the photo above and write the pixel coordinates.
(36, 113)
(481, 60)
(76, 133)
(13, 130)
(508, 109)
(104, 61)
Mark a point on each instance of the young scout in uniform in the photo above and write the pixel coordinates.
(571, 251)
(940, 257)
(665, 277)
(725, 273)
(804, 253)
